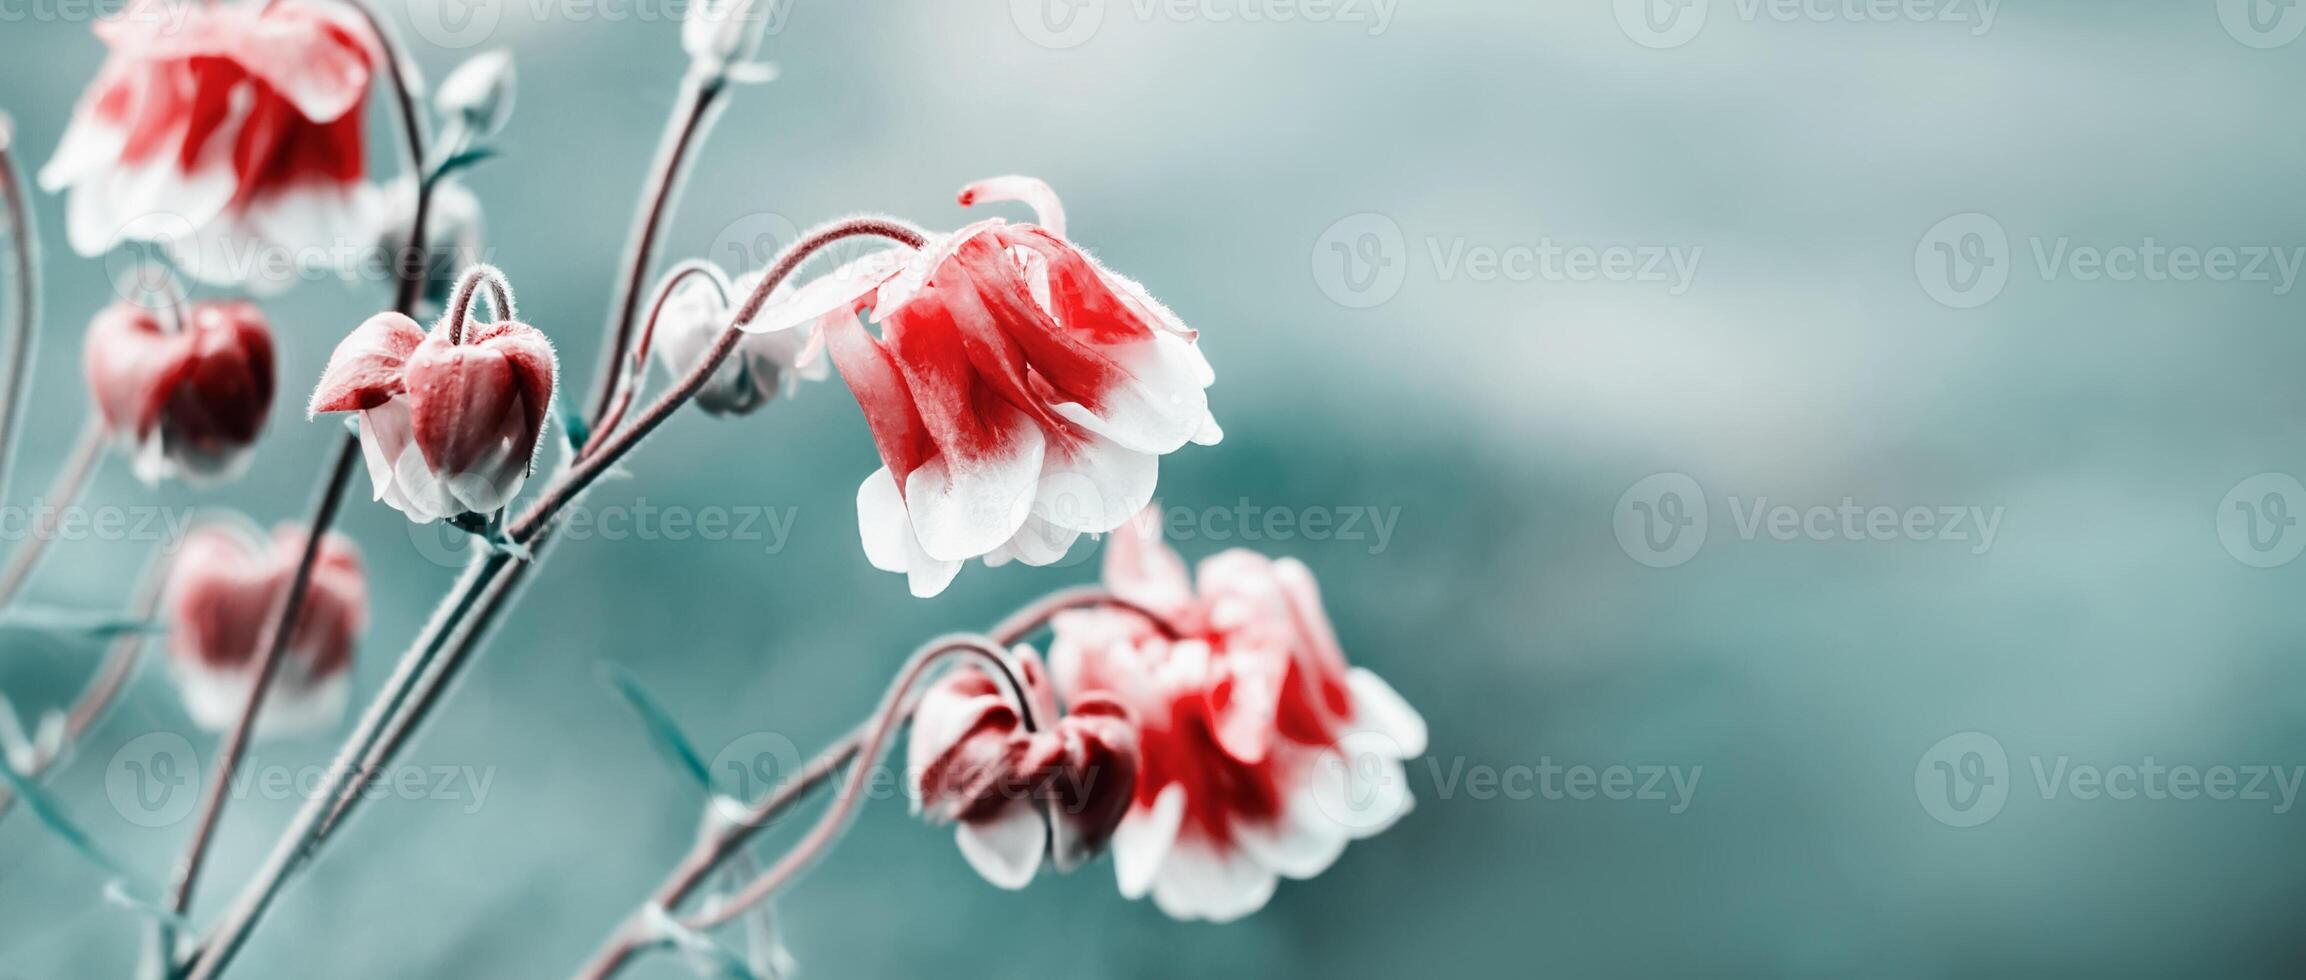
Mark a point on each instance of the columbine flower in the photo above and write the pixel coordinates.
(1263, 752)
(692, 321)
(477, 97)
(1020, 393)
(1016, 795)
(187, 401)
(448, 425)
(236, 124)
(225, 585)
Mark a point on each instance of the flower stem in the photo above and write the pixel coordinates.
(103, 690)
(17, 216)
(86, 452)
(430, 664)
(274, 649)
(691, 117)
(729, 838)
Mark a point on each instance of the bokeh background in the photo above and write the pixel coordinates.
(1502, 419)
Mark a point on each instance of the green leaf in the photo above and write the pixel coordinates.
(664, 733)
(462, 160)
(43, 806)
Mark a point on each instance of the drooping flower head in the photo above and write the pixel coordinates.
(224, 587)
(1020, 393)
(1263, 752)
(181, 399)
(762, 364)
(449, 419)
(221, 129)
(1015, 795)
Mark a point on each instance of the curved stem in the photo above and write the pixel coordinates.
(411, 273)
(18, 219)
(424, 670)
(70, 481)
(468, 288)
(103, 690)
(586, 470)
(875, 737)
(727, 839)
(691, 118)
(629, 384)
(279, 632)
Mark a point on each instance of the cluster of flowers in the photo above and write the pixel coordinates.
(1206, 728)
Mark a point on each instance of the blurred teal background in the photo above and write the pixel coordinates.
(1502, 417)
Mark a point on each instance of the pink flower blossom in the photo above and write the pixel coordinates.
(1020, 394)
(1263, 752)
(187, 401)
(235, 125)
(1016, 795)
(448, 426)
(225, 586)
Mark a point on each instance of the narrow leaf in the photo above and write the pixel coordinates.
(664, 733)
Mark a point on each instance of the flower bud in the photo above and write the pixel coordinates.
(187, 401)
(718, 34)
(448, 426)
(224, 588)
(1017, 795)
(691, 323)
(479, 93)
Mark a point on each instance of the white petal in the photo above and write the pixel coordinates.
(963, 513)
(1007, 848)
(1142, 840)
(1097, 488)
(1377, 706)
(1161, 404)
(1202, 881)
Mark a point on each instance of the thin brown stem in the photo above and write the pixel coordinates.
(876, 735)
(103, 690)
(467, 290)
(274, 649)
(366, 753)
(18, 219)
(726, 839)
(629, 384)
(582, 474)
(691, 117)
(87, 450)
(410, 270)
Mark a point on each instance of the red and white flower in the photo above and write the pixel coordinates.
(1016, 795)
(1020, 393)
(224, 587)
(188, 400)
(1263, 753)
(222, 130)
(691, 323)
(448, 426)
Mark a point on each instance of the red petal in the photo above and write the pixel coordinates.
(368, 366)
